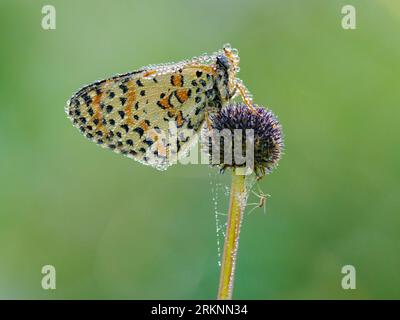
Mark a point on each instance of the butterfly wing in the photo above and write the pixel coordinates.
(132, 113)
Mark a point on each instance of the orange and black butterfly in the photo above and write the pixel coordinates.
(129, 113)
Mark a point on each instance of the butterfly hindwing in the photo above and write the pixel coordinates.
(131, 113)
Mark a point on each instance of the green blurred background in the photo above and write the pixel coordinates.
(116, 229)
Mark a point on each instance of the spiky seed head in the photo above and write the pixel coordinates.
(267, 133)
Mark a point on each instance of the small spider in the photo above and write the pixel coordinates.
(262, 200)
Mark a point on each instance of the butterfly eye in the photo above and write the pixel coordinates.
(223, 62)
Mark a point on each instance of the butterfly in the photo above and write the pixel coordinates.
(132, 113)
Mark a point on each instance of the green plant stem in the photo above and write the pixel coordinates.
(238, 197)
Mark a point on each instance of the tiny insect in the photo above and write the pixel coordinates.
(128, 113)
(262, 200)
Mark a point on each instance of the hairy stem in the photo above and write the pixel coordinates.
(237, 203)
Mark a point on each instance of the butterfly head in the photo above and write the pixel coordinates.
(227, 64)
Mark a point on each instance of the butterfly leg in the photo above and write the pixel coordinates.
(208, 121)
(245, 94)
